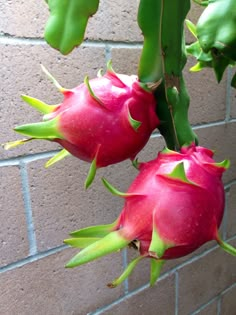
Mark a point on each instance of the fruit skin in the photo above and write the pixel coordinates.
(185, 206)
(173, 206)
(109, 118)
(104, 129)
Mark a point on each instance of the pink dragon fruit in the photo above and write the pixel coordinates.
(104, 121)
(175, 205)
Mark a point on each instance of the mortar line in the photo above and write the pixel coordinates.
(27, 158)
(219, 305)
(203, 306)
(28, 210)
(126, 297)
(107, 53)
(32, 258)
(228, 95)
(176, 293)
(8, 39)
(225, 219)
(125, 263)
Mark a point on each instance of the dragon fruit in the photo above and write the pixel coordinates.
(104, 121)
(175, 205)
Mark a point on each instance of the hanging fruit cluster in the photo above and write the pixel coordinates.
(176, 203)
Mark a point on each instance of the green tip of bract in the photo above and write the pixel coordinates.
(112, 189)
(13, 144)
(225, 164)
(57, 157)
(128, 270)
(109, 67)
(156, 266)
(39, 105)
(178, 173)
(53, 80)
(110, 243)
(91, 92)
(135, 124)
(42, 130)
(91, 174)
(192, 28)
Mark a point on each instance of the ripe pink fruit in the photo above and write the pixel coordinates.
(174, 206)
(104, 121)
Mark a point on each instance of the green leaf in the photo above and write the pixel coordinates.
(194, 49)
(58, 157)
(197, 67)
(192, 27)
(67, 23)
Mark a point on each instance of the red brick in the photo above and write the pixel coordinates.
(13, 232)
(45, 287)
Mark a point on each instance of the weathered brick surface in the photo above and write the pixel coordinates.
(13, 231)
(45, 287)
(114, 20)
(21, 74)
(221, 139)
(60, 204)
(205, 278)
(159, 299)
(231, 213)
(233, 102)
(228, 303)
(126, 60)
(207, 99)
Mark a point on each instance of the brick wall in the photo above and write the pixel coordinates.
(38, 207)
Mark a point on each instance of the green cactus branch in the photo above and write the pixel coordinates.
(164, 56)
